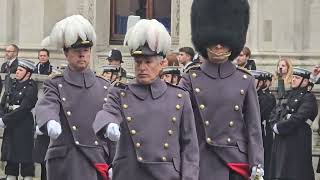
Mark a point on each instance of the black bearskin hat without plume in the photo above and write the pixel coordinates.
(219, 21)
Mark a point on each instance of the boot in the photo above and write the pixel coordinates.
(9, 177)
(27, 178)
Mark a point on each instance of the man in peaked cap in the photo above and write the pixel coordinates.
(171, 74)
(160, 146)
(224, 97)
(17, 120)
(291, 156)
(115, 58)
(70, 103)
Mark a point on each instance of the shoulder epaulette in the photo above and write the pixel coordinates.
(55, 75)
(120, 85)
(175, 86)
(244, 70)
(195, 66)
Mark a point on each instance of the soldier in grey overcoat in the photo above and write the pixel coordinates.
(158, 136)
(224, 98)
(68, 108)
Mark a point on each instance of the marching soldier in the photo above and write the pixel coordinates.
(17, 121)
(158, 136)
(224, 98)
(69, 106)
(171, 74)
(291, 157)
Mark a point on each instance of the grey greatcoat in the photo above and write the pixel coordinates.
(73, 99)
(158, 139)
(226, 110)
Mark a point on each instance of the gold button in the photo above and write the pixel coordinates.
(133, 132)
(229, 140)
(77, 142)
(69, 113)
(60, 85)
(202, 107)
(164, 158)
(207, 123)
(174, 119)
(74, 128)
(231, 123)
(197, 90)
(105, 87)
(129, 119)
(170, 132)
(245, 76)
(236, 108)
(178, 107)
(105, 99)
(242, 92)
(209, 140)
(122, 94)
(138, 145)
(179, 95)
(194, 75)
(20, 93)
(140, 158)
(166, 145)
(63, 99)
(96, 142)
(125, 106)
(296, 100)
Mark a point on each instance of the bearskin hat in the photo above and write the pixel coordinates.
(219, 21)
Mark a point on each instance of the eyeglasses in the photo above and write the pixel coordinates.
(8, 51)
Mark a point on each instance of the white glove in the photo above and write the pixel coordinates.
(110, 173)
(38, 132)
(113, 132)
(2, 125)
(257, 173)
(54, 129)
(275, 129)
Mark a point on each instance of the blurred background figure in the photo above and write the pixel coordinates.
(243, 60)
(171, 59)
(44, 66)
(185, 57)
(171, 74)
(284, 70)
(114, 57)
(11, 58)
(315, 75)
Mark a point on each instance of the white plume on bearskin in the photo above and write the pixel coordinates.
(67, 31)
(151, 32)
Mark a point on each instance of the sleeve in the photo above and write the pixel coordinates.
(111, 112)
(28, 102)
(251, 113)
(48, 107)
(189, 143)
(185, 83)
(307, 110)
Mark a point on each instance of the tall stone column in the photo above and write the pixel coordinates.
(314, 26)
(185, 23)
(29, 23)
(6, 21)
(252, 36)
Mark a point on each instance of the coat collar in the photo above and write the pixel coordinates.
(85, 78)
(157, 88)
(214, 70)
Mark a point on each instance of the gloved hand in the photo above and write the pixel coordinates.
(38, 132)
(110, 173)
(257, 173)
(113, 132)
(2, 125)
(54, 129)
(275, 129)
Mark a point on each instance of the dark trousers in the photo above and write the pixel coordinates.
(26, 169)
(43, 171)
(235, 176)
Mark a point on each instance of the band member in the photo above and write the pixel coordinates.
(69, 106)
(224, 98)
(292, 147)
(17, 120)
(171, 74)
(158, 136)
(115, 58)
